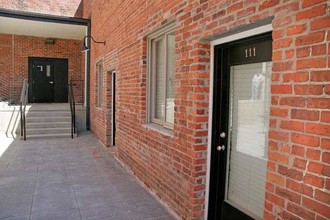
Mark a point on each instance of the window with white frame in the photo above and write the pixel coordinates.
(99, 92)
(162, 75)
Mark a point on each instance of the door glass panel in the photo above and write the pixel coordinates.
(249, 121)
(48, 70)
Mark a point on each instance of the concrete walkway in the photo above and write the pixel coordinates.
(70, 179)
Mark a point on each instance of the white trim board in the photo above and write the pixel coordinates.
(242, 35)
(234, 37)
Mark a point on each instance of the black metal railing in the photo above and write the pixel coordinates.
(23, 101)
(15, 88)
(3, 99)
(73, 109)
(78, 90)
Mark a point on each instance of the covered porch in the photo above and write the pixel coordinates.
(45, 50)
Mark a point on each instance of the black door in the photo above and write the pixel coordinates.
(60, 80)
(242, 72)
(42, 78)
(113, 108)
(48, 80)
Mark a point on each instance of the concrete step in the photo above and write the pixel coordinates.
(47, 119)
(35, 131)
(49, 114)
(48, 125)
(48, 136)
(50, 107)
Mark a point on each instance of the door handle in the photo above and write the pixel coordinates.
(221, 148)
(51, 82)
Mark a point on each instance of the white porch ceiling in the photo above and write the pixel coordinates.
(41, 29)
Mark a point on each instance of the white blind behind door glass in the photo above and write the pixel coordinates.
(249, 122)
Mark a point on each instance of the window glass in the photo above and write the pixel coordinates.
(249, 122)
(99, 85)
(170, 78)
(162, 75)
(160, 79)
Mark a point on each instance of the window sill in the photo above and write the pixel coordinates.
(160, 129)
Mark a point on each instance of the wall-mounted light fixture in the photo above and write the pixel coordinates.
(85, 46)
(49, 41)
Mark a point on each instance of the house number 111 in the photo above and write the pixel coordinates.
(250, 52)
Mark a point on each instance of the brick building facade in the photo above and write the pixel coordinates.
(173, 164)
(176, 162)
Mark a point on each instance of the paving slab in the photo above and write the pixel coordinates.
(74, 179)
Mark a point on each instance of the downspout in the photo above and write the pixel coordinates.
(11, 76)
(88, 63)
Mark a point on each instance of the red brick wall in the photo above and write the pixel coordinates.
(174, 166)
(6, 65)
(299, 166)
(15, 51)
(71, 8)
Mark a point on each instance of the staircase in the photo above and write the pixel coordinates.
(48, 121)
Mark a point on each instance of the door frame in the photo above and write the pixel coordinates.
(234, 37)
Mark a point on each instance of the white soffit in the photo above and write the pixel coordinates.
(41, 28)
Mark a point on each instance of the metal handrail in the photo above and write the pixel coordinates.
(14, 84)
(3, 99)
(78, 88)
(23, 101)
(73, 109)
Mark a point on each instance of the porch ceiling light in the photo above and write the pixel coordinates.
(85, 47)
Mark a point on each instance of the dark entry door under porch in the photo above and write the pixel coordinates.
(48, 80)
